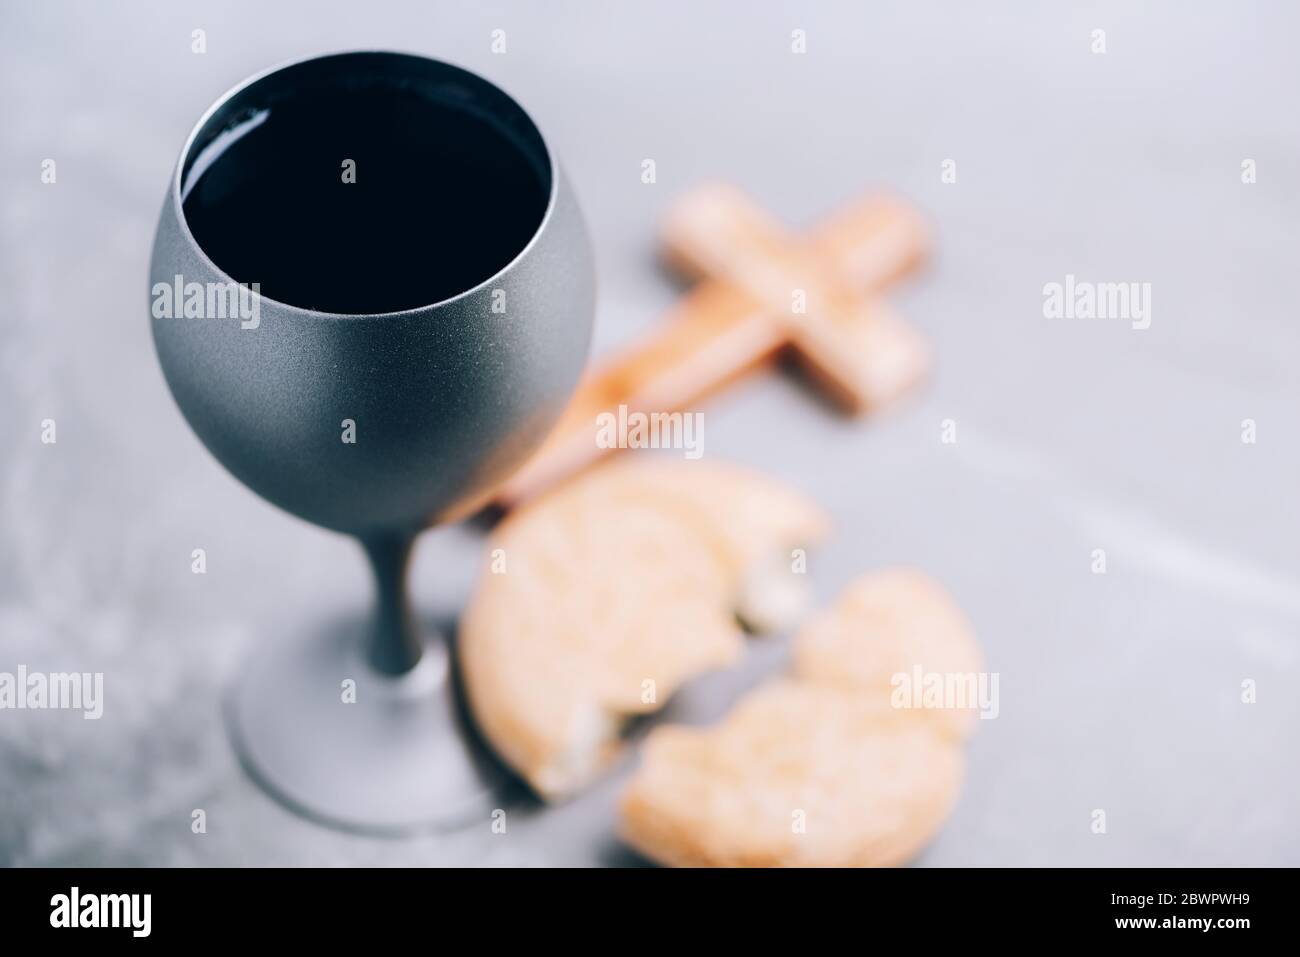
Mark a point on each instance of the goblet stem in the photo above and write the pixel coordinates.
(395, 645)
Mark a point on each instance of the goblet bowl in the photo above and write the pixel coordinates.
(447, 398)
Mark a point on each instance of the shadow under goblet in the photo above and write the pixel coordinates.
(423, 308)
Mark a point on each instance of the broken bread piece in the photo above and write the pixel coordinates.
(828, 768)
(601, 598)
(797, 775)
(885, 630)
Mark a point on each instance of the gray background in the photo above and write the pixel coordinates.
(1119, 691)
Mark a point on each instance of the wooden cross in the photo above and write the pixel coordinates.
(762, 293)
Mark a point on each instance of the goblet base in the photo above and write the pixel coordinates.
(339, 742)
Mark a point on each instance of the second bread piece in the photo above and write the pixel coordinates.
(797, 775)
(824, 769)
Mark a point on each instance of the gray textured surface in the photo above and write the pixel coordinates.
(1118, 691)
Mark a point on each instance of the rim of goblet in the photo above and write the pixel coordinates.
(248, 81)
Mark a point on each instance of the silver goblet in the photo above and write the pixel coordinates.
(444, 398)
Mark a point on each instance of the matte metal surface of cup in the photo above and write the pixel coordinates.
(447, 400)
